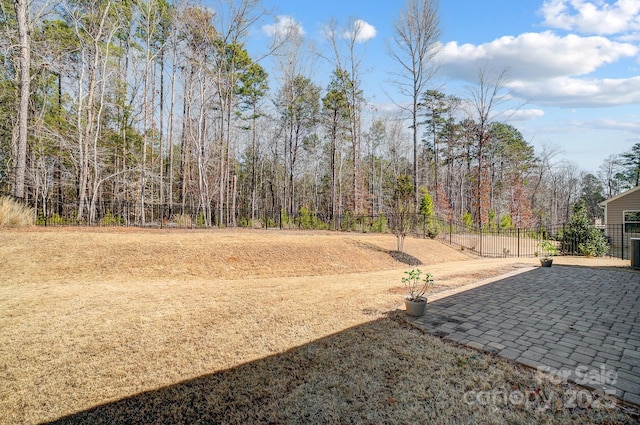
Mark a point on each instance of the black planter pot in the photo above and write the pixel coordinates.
(546, 262)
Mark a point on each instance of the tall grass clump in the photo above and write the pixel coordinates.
(14, 213)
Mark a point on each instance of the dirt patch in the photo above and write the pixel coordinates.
(235, 325)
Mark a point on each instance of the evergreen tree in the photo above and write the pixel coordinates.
(252, 88)
(581, 237)
(427, 210)
(631, 162)
(336, 123)
(592, 195)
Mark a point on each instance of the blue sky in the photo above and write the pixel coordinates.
(574, 65)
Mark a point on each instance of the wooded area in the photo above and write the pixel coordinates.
(157, 107)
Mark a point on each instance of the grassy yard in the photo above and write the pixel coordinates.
(243, 326)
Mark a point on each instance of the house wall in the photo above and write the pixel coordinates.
(619, 240)
(616, 207)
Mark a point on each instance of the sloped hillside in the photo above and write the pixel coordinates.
(63, 254)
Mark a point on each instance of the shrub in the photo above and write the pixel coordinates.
(286, 222)
(271, 223)
(111, 220)
(54, 220)
(431, 227)
(251, 223)
(594, 248)
(492, 224)
(347, 222)
(379, 225)
(426, 204)
(580, 237)
(467, 221)
(547, 248)
(506, 222)
(200, 221)
(58, 220)
(416, 283)
(308, 220)
(14, 213)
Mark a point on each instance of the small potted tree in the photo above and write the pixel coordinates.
(416, 282)
(547, 252)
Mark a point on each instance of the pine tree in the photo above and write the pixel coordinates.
(581, 237)
(631, 162)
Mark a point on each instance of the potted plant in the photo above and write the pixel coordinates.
(416, 282)
(548, 250)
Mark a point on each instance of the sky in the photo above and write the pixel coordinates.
(573, 66)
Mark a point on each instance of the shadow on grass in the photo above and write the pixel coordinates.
(333, 377)
(384, 371)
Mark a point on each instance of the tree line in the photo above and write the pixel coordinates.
(159, 106)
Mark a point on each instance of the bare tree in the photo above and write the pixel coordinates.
(348, 68)
(174, 41)
(22, 16)
(402, 210)
(233, 19)
(609, 173)
(94, 27)
(545, 164)
(299, 102)
(414, 49)
(201, 42)
(295, 65)
(150, 25)
(485, 99)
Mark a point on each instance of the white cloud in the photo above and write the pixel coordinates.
(282, 26)
(523, 114)
(548, 68)
(534, 55)
(579, 92)
(593, 17)
(362, 30)
(612, 124)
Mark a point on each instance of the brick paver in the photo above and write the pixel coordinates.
(582, 323)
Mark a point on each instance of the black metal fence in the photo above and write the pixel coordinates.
(519, 242)
(194, 216)
(619, 240)
(486, 241)
(493, 242)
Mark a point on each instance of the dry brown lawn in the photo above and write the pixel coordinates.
(242, 326)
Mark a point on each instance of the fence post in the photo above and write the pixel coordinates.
(622, 241)
(518, 239)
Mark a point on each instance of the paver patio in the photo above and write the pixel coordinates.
(579, 323)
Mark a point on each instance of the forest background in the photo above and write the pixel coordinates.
(156, 108)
